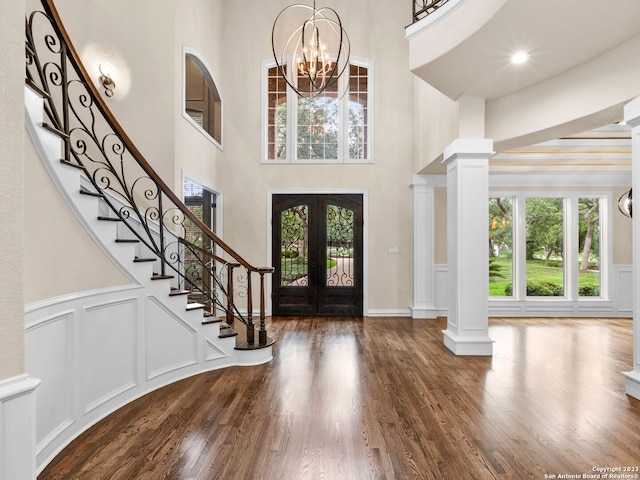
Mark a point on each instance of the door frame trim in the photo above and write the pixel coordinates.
(322, 191)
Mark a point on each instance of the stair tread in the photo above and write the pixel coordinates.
(161, 277)
(142, 259)
(195, 306)
(127, 240)
(211, 319)
(254, 346)
(110, 219)
(228, 333)
(175, 292)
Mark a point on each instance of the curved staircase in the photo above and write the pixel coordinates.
(98, 350)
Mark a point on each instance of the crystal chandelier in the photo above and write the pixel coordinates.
(315, 42)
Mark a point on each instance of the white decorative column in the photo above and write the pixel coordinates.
(424, 292)
(467, 162)
(632, 117)
(18, 428)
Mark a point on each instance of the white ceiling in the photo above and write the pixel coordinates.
(605, 149)
(558, 34)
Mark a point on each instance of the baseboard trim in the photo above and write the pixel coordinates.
(381, 312)
(633, 384)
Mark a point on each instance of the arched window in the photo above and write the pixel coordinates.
(329, 128)
(202, 102)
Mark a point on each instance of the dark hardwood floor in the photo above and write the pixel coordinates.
(382, 398)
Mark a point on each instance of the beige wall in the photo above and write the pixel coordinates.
(198, 25)
(11, 187)
(247, 182)
(622, 237)
(60, 256)
(137, 38)
(440, 224)
(147, 51)
(436, 126)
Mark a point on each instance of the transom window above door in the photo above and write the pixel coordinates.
(334, 127)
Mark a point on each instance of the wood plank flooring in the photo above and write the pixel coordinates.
(382, 398)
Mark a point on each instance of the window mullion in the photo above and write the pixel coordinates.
(520, 248)
(292, 115)
(571, 247)
(343, 119)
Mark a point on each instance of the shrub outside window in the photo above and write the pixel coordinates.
(547, 247)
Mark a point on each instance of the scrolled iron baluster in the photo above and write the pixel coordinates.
(127, 183)
(423, 8)
(163, 261)
(230, 316)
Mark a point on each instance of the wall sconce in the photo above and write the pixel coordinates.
(625, 203)
(107, 72)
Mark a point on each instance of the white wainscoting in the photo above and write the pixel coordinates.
(97, 351)
(620, 303)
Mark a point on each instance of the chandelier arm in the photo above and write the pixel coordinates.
(313, 65)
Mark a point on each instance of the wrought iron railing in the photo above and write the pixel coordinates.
(422, 8)
(192, 255)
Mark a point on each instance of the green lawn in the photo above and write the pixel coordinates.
(540, 271)
(294, 268)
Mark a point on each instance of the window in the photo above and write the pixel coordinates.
(501, 246)
(330, 128)
(589, 275)
(545, 272)
(545, 246)
(202, 102)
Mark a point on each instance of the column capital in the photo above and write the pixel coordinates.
(468, 148)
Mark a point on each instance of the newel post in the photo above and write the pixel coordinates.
(262, 333)
(250, 326)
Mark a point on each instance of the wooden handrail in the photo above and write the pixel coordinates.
(212, 256)
(95, 142)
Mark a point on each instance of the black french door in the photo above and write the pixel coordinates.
(317, 254)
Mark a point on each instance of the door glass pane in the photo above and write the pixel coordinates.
(545, 247)
(589, 247)
(340, 268)
(294, 246)
(501, 247)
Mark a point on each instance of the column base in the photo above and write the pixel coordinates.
(419, 311)
(467, 345)
(633, 384)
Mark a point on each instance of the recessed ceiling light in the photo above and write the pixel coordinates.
(519, 57)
